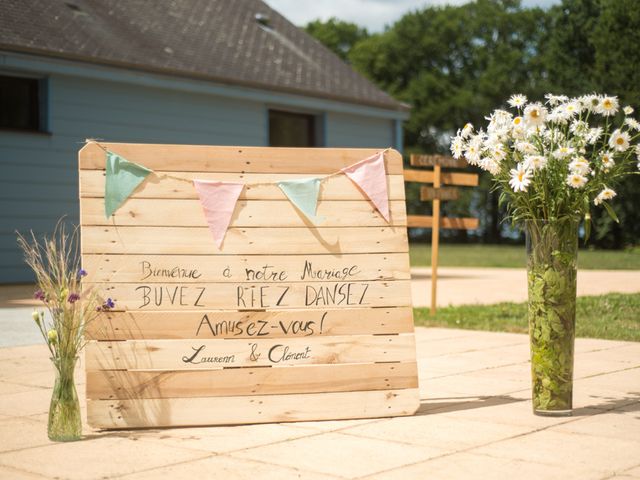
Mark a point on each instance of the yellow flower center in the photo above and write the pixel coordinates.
(520, 176)
(607, 104)
(535, 114)
(620, 140)
(517, 120)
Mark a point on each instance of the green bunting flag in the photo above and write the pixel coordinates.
(303, 194)
(123, 177)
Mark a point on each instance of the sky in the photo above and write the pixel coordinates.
(372, 14)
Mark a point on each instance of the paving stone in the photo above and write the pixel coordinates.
(342, 455)
(469, 465)
(614, 424)
(438, 431)
(29, 402)
(223, 439)
(97, 458)
(22, 432)
(568, 450)
(15, 474)
(225, 467)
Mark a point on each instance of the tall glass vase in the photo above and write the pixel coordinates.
(552, 251)
(65, 422)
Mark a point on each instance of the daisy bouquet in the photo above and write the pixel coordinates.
(552, 163)
(554, 160)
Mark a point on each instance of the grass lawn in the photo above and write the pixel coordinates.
(513, 256)
(614, 316)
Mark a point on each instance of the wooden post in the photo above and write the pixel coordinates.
(435, 236)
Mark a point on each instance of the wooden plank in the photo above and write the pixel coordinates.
(257, 296)
(435, 238)
(252, 213)
(445, 161)
(245, 268)
(180, 324)
(260, 186)
(443, 193)
(219, 353)
(426, 221)
(200, 158)
(111, 384)
(448, 178)
(260, 241)
(251, 409)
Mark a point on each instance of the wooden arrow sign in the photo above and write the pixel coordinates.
(433, 160)
(444, 193)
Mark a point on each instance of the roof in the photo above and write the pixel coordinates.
(217, 40)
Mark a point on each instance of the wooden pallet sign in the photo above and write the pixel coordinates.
(436, 194)
(287, 321)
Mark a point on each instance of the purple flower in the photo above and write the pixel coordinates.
(73, 298)
(108, 304)
(82, 273)
(39, 295)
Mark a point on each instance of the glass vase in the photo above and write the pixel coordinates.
(552, 251)
(65, 422)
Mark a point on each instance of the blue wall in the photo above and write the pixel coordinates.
(38, 172)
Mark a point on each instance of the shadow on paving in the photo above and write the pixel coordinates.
(463, 403)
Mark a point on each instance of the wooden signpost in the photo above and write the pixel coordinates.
(287, 321)
(436, 194)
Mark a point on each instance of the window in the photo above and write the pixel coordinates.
(21, 103)
(288, 129)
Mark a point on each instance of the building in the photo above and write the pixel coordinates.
(182, 71)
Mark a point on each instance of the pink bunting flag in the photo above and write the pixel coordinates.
(371, 177)
(218, 201)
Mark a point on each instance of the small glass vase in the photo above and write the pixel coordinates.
(552, 251)
(65, 422)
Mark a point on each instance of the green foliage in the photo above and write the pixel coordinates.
(338, 36)
(615, 316)
(513, 256)
(455, 64)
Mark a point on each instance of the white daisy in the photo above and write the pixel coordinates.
(563, 152)
(535, 162)
(517, 100)
(628, 110)
(578, 127)
(608, 106)
(535, 114)
(572, 108)
(605, 194)
(520, 178)
(632, 123)
(517, 122)
(526, 147)
(619, 141)
(580, 166)
(575, 180)
(590, 102)
(498, 152)
(593, 135)
(555, 99)
(466, 130)
(490, 164)
(457, 147)
(607, 161)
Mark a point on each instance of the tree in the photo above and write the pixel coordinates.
(593, 47)
(337, 35)
(454, 65)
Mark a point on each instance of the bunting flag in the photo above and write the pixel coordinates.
(371, 177)
(218, 201)
(303, 194)
(123, 177)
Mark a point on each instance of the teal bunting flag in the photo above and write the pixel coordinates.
(303, 194)
(123, 177)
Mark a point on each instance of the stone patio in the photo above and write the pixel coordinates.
(475, 421)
